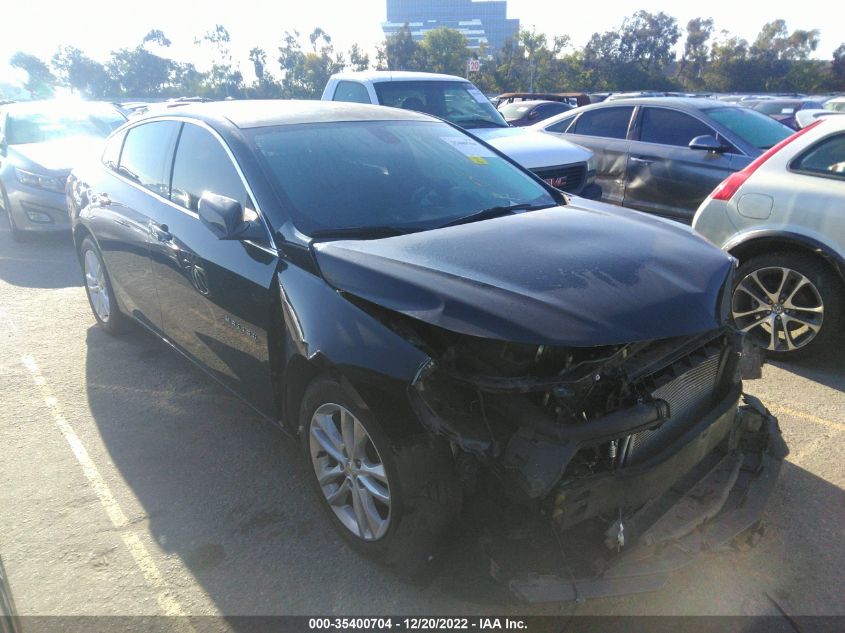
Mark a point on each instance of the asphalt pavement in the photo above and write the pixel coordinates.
(131, 484)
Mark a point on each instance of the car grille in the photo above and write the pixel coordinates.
(569, 178)
(688, 393)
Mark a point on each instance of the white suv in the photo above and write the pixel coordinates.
(783, 217)
(562, 164)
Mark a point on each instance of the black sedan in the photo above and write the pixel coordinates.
(783, 110)
(521, 113)
(664, 155)
(438, 326)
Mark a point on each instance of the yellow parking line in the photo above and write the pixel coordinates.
(154, 578)
(779, 408)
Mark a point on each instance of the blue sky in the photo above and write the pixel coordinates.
(99, 26)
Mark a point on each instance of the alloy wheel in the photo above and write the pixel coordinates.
(350, 471)
(780, 308)
(96, 285)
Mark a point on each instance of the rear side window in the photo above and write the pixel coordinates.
(825, 158)
(202, 165)
(351, 91)
(670, 127)
(111, 154)
(604, 122)
(147, 155)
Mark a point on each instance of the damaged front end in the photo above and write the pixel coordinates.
(640, 453)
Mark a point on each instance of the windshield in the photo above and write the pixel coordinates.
(409, 175)
(514, 110)
(456, 101)
(754, 128)
(60, 121)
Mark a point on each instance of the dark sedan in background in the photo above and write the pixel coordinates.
(438, 325)
(783, 110)
(40, 141)
(664, 155)
(520, 113)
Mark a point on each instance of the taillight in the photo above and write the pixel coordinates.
(727, 188)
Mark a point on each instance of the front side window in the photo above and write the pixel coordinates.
(559, 127)
(758, 130)
(111, 153)
(202, 165)
(351, 91)
(459, 102)
(402, 175)
(825, 158)
(147, 155)
(605, 122)
(670, 127)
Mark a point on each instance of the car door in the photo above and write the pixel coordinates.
(604, 131)
(122, 206)
(216, 295)
(664, 176)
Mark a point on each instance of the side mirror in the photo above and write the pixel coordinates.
(708, 143)
(225, 218)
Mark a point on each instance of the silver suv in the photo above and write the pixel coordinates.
(782, 217)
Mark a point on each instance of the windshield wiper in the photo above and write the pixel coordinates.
(363, 232)
(477, 123)
(495, 212)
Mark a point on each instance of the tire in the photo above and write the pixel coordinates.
(424, 496)
(102, 301)
(16, 233)
(796, 292)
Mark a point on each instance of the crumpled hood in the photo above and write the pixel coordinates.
(60, 155)
(533, 150)
(582, 275)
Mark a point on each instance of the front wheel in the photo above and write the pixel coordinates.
(389, 500)
(98, 288)
(790, 304)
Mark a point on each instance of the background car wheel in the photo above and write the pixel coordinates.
(389, 500)
(17, 234)
(790, 304)
(98, 288)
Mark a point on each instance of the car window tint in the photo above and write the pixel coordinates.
(561, 126)
(111, 153)
(147, 155)
(670, 127)
(202, 165)
(351, 91)
(754, 128)
(605, 122)
(827, 158)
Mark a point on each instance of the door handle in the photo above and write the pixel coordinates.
(641, 160)
(161, 232)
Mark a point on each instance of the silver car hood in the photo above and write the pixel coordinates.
(531, 149)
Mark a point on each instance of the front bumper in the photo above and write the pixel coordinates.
(37, 210)
(708, 507)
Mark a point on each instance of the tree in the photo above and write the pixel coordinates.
(305, 74)
(358, 59)
(81, 74)
(224, 79)
(729, 67)
(838, 68)
(696, 53)
(444, 50)
(258, 57)
(400, 51)
(647, 39)
(139, 72)
(40, 80)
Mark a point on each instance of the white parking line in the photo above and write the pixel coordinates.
(153, 577)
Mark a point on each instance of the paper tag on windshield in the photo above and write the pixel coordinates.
(473, 150)
(477, 95)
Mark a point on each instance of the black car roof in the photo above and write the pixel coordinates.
(259, 113)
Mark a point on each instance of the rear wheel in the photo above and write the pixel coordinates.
(790, 304)
(390, 501)
(98, 288)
